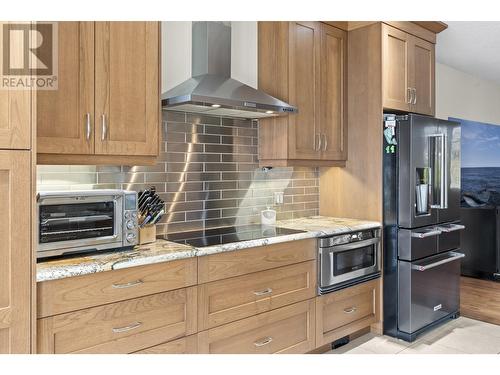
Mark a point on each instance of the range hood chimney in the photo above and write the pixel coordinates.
(211, 90)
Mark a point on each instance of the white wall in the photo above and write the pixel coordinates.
(464, 96)
(176, 52)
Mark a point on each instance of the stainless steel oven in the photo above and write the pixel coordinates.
(81, 221)
(348, 259)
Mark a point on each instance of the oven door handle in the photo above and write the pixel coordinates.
(353, 245)
(453, 257)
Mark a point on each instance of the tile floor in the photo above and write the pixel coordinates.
(460, 336)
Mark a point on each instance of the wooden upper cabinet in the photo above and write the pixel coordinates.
(395, 69)
(304, 89)
(15, 251)
(423, 76)
(408, 78)
(127, 88)
(304, 64)
(15, 107)
(65, 117)
(333, 106)
(107, 106)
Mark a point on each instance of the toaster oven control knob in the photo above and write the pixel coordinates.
(127, 215)
(131, 237)
(134, 215)
(130, 224)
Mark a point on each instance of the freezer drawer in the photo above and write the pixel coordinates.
(428, 290)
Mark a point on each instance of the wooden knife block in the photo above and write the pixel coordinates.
(147, 234)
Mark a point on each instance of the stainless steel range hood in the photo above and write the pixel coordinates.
(211, 90)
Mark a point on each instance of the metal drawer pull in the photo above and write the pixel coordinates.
(263, 342)
(104, 127)
(452, 258)
(452, 228)
(128, 285)
(430, 233)
(127, 328)
(263, 292)
(350, 310)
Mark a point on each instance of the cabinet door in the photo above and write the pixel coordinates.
(423, 76)
(65, 117)
(127, 88)
(304, 89)
(15, 251)
(396, 66)
(15, 107)
(333, 98)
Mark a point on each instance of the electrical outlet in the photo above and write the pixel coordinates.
(278, 197)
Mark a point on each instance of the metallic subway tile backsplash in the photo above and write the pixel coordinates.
(207, 173)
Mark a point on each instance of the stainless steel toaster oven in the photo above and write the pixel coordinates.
(82, 221)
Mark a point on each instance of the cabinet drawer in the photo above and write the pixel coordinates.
(289, 329)
(344, 312)
(224, 301)
(121, 327)
(236, 263)
(184, 345)
(75, 293)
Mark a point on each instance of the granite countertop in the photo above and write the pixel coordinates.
(164, 251)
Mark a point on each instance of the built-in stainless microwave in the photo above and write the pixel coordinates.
(348, 259)
(81, 221)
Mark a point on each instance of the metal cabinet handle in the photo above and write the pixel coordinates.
(263, 292)
(325, 146)
(409, 95)
(452, 228)
(128, 285)
(127, 328)
(88, 126)
(414, 96)
(104, 127)
(350, 310)
(264, 341)
(318, 148)
(430, 233)
(454, 256)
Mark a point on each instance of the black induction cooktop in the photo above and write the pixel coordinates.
(219, 236)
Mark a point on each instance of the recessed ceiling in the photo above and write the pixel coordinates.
(472, 47)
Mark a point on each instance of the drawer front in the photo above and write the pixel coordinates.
(121, 327)
(289, 329)
(76, 293)
(225, 301)
(346, 311)
(184, 345)
(235, 263)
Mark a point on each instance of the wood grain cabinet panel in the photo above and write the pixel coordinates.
(184, 345)
(289, 329)
(65, 117)
(228, 300)
(304, 64)
(122, 327)
(341, 313)
(15, 251)
(424, 76)
(75, 293)
(235, 263)
(127, 87)
(15, 109)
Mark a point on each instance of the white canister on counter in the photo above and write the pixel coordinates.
(268, 216)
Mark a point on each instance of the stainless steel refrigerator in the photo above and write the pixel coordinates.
(421, 223)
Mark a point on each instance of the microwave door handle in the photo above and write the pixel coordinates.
(330, 254)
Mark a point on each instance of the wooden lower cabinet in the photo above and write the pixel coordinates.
(288, 329)
(184, 345)
(122, 327)
(341, 313)
(224, 301)
(76, 293)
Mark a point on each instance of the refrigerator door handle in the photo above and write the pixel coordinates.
(440, 166)
(453, 257)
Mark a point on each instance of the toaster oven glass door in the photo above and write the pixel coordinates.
(77, 222)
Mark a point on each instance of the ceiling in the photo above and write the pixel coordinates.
(472, 47)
